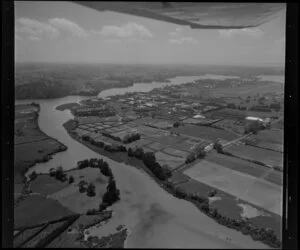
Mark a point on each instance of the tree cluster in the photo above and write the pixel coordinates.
(111, 195)
(131, 138)
(58, 173)
(96, 163)
(116, 138)
(254, 127)
(150, 162)
(218, 147)
(90, 188)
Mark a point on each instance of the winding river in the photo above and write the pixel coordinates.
(154, 218)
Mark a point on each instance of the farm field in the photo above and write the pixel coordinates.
(265, 156)
(240, 185)
(236, 114)
(237, 164)
(25, 235)
(270, 146)
(274, 176)
(36, 209)
(45, 185)
(233, 125)
(228, 205)
(278, 125)
(69, 239)
(171, 161)
(206, 133)
(71, 198)
(25, 155)
(270, 136)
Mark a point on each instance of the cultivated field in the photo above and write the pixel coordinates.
(265, 156)
(45, 185)
(36, 209)
(246, 167)
(26, 154)
(233, 125)
(270, 136)
(171, 161)
(278, 125)
(237, 164)
(245, 187)
(206, 133)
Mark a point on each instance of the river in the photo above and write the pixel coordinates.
(153, 217)
(147, 87)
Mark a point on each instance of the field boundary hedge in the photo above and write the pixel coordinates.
(48, 239)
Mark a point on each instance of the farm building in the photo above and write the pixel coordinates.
(198, 116)
(251, 118)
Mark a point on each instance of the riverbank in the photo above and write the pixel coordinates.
(31, 144)
(242, 225)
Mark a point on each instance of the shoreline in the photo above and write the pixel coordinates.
(61, 147)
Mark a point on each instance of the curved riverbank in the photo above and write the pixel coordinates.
(243, 226)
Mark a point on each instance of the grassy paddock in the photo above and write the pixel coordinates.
(206, 133)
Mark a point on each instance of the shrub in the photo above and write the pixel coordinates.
(71, 179)
(91, 211)
(130, 152)
(82, 186)
(190, 158)
(33, 176)
(131, 138)
(52, 172)
(212, 193)
(91, 190)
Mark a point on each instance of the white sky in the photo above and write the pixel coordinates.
(66, 32)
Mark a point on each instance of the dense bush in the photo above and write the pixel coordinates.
(111, 195)
(218, 146)
(71, 179)
(212, 193)
(86, 138)
(92, 211)
(190, 158)
(131, 138)
(96, 163)
(114, 148)
(91, 190)
(58, 173)
(150, 162)
(130, 152)
(116, 138)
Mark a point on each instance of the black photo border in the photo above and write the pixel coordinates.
(291, 125)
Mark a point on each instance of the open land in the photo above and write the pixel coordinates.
(240, 185)
(31, 144)
(267, 157)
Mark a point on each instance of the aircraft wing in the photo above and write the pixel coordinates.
(196, 15)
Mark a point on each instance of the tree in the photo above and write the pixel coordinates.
(71, 179)
(33, 176)
(130, 152)
(212, 193)
(91, 190)
(59, 174)
(218, 146)
(82, 186)
(176, 124)
(190, 158)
